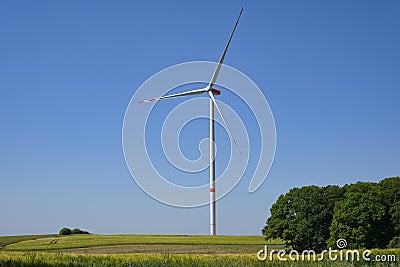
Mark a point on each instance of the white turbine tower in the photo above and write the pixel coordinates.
(211, 92)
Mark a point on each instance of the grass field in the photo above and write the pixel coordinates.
(152, 250)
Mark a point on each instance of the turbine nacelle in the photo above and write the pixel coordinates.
(215, 91)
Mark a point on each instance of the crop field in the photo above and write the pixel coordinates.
(49, 259)
(152, 250)
(171, 244)
(7, 240)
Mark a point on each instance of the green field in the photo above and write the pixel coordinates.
(151, 250)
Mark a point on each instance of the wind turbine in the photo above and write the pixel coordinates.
(211, 92)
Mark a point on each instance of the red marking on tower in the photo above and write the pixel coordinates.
(212, 190)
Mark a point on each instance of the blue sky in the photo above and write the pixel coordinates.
(68, 69)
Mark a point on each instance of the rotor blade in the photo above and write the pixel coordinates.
(223, 119)
(192, 92)
(216, 72)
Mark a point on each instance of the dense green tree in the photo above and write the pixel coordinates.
(65, 231)
(394, 213)
(361, 218)
(391, 197)
(366, 214)
(302, 217)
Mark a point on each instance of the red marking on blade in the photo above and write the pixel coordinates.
(212, 189)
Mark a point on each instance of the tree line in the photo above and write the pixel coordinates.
(365, 214)
(76, 231)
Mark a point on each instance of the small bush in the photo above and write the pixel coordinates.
(65, 231)
(395, 242)
(79, 231)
